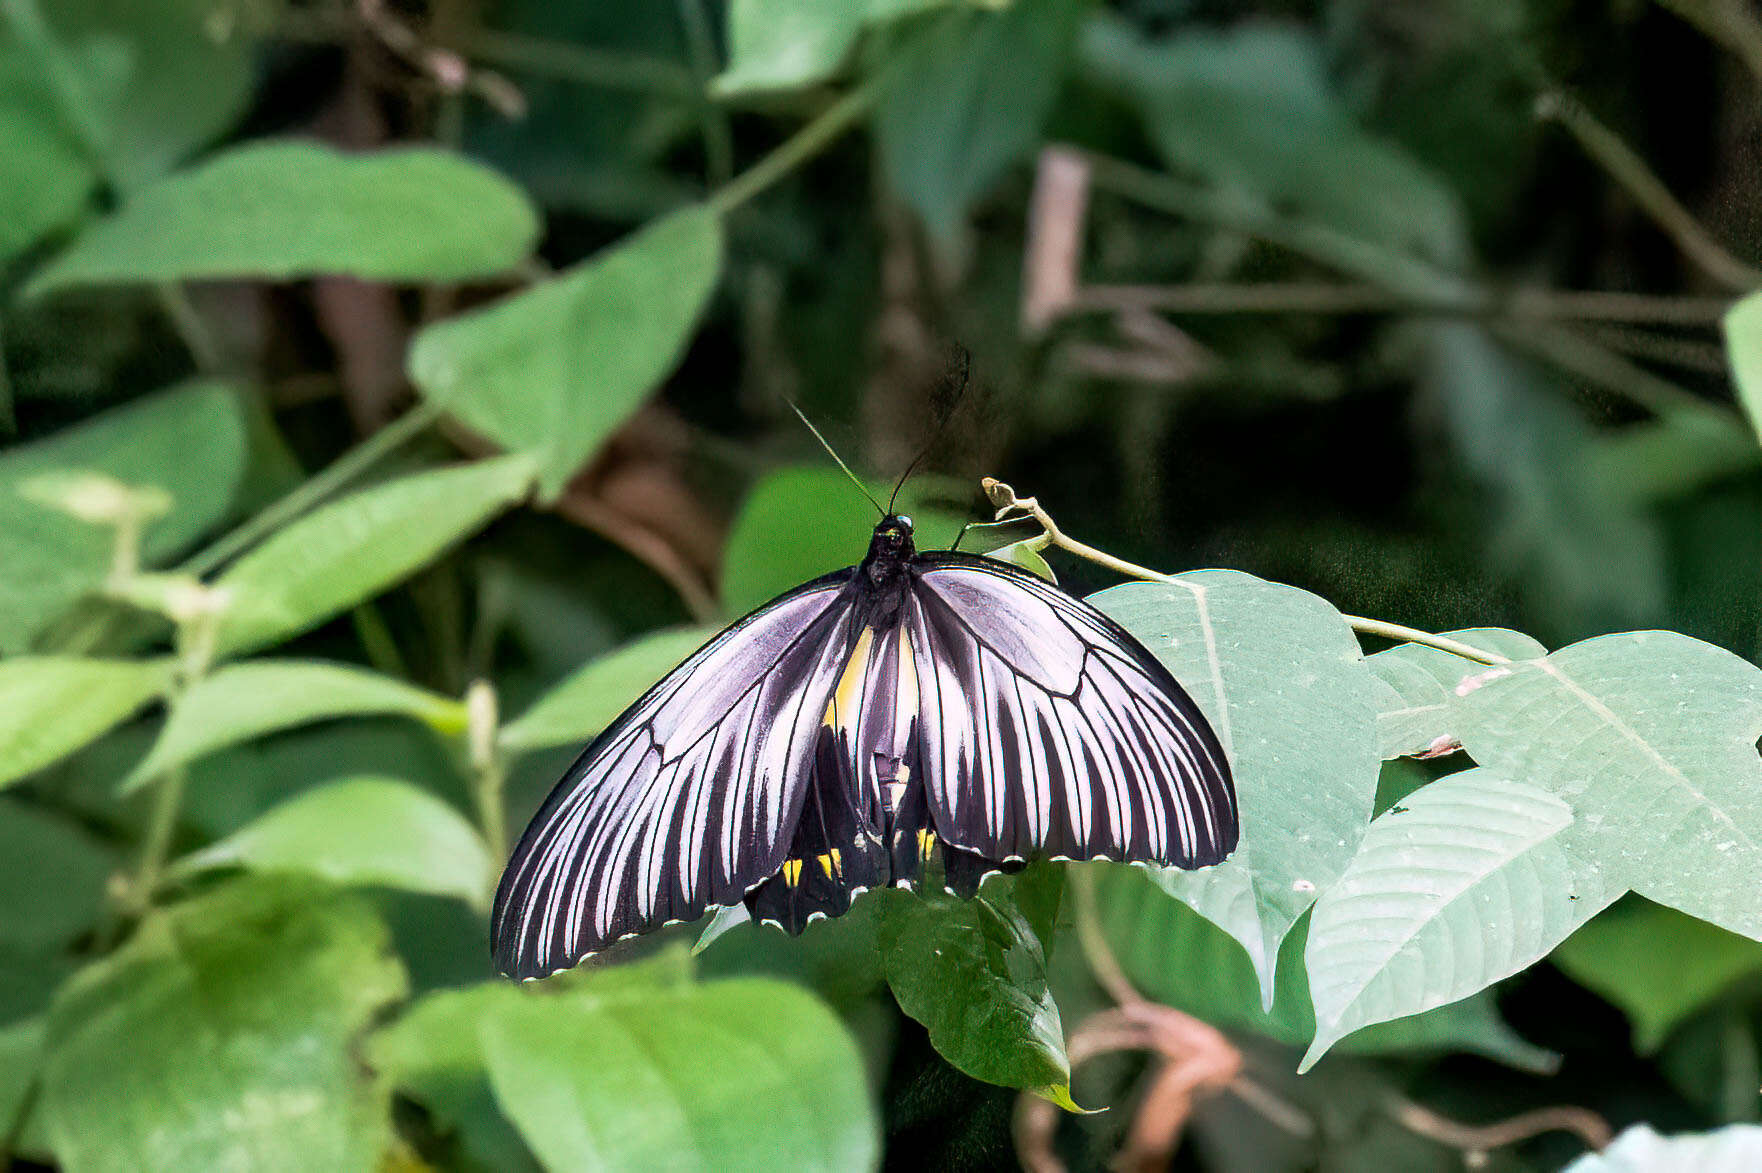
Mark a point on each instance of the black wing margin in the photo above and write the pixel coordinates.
(1048, 729)
(688, 800)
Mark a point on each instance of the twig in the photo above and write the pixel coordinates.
(700, 44)
(1331, 297)
(1052, 259)
(1730, 23)
(801, 146)
(1636, 177)
(1477, 1140)
(1007, 503)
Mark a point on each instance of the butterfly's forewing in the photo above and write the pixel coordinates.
(689, 799)
(1047, 728)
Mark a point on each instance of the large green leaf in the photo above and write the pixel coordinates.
(803, 521)
(1743, 348)
(223, 1036)
(243, 701)
(282, 210)
(1469, 881)
(378, 832)
(1175, 956)
(741, 1074)
(52, 877)
(1651, 738)
(354, 548)
(556, 369)
(433, 1052)
(969, 101)
(974, 973)
(1658, 965)
(585, 703)
(1251, 110)
(48, 559)
(1415, 714)
(53, 705)
(1732, 1149)
(1280, 675)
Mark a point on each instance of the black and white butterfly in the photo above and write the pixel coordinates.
(839, 737)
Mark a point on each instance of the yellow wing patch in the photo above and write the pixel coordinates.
(792, 872)
(847, 698)
(830, 862)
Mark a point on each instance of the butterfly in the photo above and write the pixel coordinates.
(915, 706)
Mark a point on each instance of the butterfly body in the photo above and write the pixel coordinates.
(915, 707)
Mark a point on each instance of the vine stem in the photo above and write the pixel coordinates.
(338, 473)
(488, 772)
(1009, 506)
(799, 147)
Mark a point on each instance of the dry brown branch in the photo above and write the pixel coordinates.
(1052, 257)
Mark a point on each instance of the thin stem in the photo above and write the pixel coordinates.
(1103, 965)
(489, 773)
(803, 145)
(1329, 297)
(168, 798)
(1470, 1138)
(700, 45)
(192, 331)
(1008, 503)
(1730, 23)
(334, 476)
(1623, 164)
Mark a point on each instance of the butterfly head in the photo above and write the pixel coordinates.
(891, 546)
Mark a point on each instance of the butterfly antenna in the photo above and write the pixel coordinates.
(960, 393)
(833, 453)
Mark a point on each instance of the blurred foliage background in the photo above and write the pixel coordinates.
(1415, 306)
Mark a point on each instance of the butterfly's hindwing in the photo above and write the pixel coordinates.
(1048, 729)
(689, 800)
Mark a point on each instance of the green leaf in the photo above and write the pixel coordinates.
(168, 75)
(1415, 714)
(1177, 957)
(48, 559)
(1585, 557)
(1466, 883)
(1743, 347)
(974, 973)
(1280, 675)
(741, 1074)
(352, 549)
(969, 101)
(284, 210)
(556, 369)
(1251, 110)
(1658, 965)
(243, 701)
(1026, 556)
(45, 175)
(224, 1036)
(801, 522)
(55, 870)
(785, 44)
(1651, 737)
(585, 703)
(378, 832)
(53, 705)
(21, 1055)
(1640, 1150)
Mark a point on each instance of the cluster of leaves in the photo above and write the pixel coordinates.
(235, 938)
